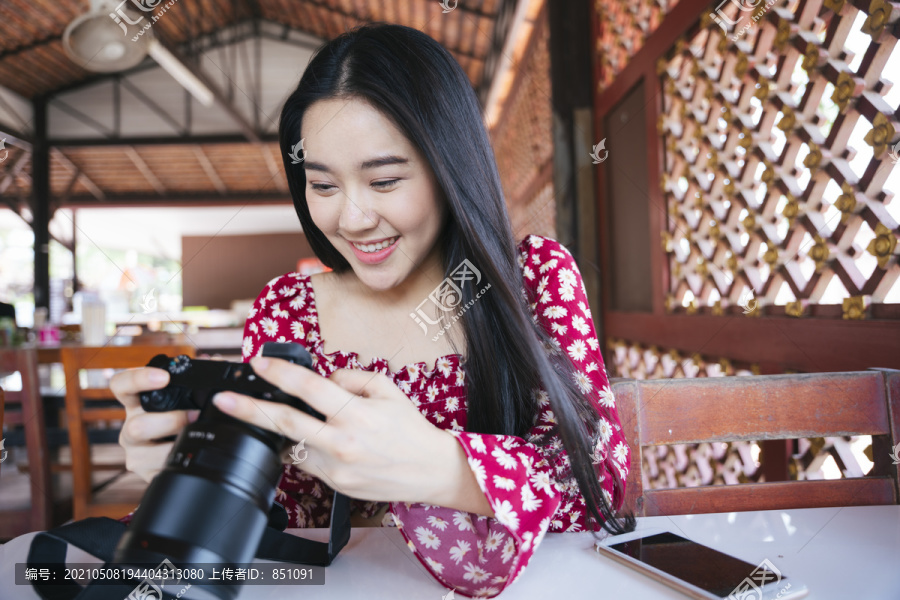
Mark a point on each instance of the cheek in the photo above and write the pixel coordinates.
(422, 212)
(323, 215)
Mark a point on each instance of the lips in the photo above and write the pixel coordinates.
(374, 253)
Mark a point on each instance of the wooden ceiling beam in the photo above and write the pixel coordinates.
(219, 97)
(156, 108)
(272, 164)
(20, 213)
(248, 131)
(70, 187)
(80, 116)
(160, 140)
(32, 45)
(357, 19)
(13, 171)
(15, 138)
(210, 171)
(151, 178)
(180, 199)
(77, 174)
(86, 181)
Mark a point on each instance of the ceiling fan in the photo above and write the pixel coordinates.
(96, 42)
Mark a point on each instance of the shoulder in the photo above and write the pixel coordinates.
(544, 247)
(286, 281)
(540, 256)
(282, 312)
(288, 292)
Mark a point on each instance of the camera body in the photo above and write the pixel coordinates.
(193, 382)
(211, 501)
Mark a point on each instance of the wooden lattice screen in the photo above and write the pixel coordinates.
(779, 161)
(774, 194)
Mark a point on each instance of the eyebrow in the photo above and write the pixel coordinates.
(368, 164)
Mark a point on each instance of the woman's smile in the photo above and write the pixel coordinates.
(376, 252)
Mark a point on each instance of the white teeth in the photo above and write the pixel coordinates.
(376, 247)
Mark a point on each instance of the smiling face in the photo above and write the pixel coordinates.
(372, 194)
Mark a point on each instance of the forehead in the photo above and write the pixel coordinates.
(349, 125)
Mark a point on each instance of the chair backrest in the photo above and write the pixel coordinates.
(762, 407)
(30, 415)
(157, 338)
(79, 413)
(24, 362)
(3, 450)
(78, 358)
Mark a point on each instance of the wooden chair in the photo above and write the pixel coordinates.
(82, 408)
(26, 409)
(766, 407)
(159, 338)
(3, 451)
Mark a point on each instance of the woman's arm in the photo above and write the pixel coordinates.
(452, 483)
(525, 480)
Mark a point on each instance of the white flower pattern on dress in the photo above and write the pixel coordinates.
(519, 477)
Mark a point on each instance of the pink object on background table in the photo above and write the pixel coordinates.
(48, 335)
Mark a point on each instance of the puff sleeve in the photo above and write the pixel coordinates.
(524, 479)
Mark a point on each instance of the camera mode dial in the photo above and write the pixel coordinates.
(179, 364)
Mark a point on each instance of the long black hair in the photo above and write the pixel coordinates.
(417, 84)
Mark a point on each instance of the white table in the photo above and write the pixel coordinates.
(839, 553)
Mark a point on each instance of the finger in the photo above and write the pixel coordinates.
(126, 385)
(274, 416)
(323, 395)
(363, 383)
(142, 429)
(150, 461)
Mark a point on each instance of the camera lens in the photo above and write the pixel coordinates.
(210, 504)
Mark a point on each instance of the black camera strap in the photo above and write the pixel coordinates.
(98, 536)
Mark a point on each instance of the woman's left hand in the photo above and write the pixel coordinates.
(374, 444)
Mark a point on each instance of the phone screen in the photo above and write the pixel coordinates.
(699, 565)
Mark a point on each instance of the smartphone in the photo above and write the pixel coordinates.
(698, 570)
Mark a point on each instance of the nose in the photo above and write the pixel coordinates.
(357, 215)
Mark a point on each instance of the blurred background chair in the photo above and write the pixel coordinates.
(765, 407)
(2, 447)
(24, 408)
(159, 338)
(90, 404)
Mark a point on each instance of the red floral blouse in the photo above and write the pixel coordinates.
(476, 555)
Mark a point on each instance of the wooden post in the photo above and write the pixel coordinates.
(40, 204)
(572, 107)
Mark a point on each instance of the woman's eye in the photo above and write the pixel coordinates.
(321, 187)
(385, 184)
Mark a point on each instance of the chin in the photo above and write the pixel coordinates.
(379, 282)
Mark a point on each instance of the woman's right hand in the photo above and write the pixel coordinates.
(143, 455)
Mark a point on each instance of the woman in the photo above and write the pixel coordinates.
(466, 398)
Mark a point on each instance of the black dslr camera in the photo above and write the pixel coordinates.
(193, 382)
(211, 501)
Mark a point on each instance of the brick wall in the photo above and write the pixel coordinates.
(523, 141)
